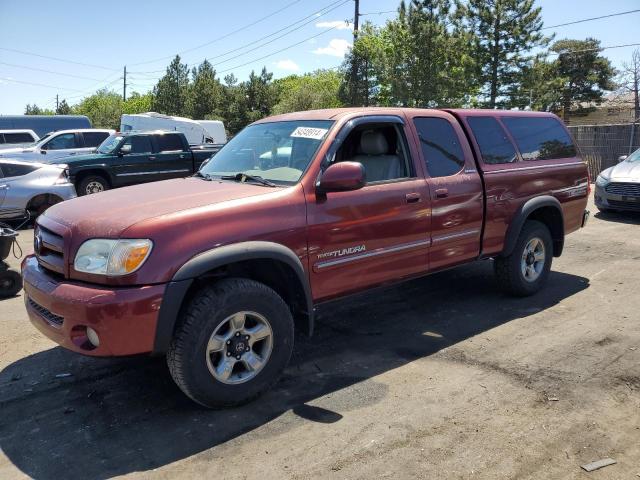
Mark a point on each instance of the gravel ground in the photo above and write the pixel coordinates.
(442, 377)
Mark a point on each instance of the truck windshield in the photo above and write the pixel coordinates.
(276, 151)
(110, 143)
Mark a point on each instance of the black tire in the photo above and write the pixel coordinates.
(10, 283)
(207, 311)
(508, 270)
(91, 184)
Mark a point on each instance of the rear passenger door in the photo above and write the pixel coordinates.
(455, 188)
(172, 159)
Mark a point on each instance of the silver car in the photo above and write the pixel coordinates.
(28, 188)
(618, 187)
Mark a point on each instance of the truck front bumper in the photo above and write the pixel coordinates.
(123, 319)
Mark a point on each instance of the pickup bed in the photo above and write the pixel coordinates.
(216, 271)
(136, 157)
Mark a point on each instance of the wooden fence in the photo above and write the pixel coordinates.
(601, 145)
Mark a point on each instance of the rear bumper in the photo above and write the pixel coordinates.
(125, 319)
(604, 200)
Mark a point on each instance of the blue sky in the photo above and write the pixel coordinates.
(144, 35)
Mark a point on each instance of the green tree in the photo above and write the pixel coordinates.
(234, 105)
(63, 108)
(585, 74)
(171, 92)
(205, 92)
(505, 33)
(137, 103)
(36, 110)
(361, 66)
(260, 94)
(104, 109)
(319, 89)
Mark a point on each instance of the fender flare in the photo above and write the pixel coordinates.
(218, 257)
(521, 216)
(100, 168)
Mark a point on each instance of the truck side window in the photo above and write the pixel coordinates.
(170, 143)
(93, 139)
(540, 138)
(139, 144)
(380, 149)
(495, 146)
(440, 146)
(61, 142)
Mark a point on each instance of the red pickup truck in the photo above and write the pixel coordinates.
(215, 271)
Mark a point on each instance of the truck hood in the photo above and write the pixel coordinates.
(7, 152)
(71, 159)
(108, 214)
(627, 171)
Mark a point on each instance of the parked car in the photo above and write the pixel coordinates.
(59, 145)
(42, 124)
(130, 158)
(196, 131)
(217, 271)
(28, 189)
(618, 187)
(17, 138)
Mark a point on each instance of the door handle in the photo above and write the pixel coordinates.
(442, 193)
(181, 156)
(4, 187)
(412, 197)
(152, 157)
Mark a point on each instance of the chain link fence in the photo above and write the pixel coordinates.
(601, 145)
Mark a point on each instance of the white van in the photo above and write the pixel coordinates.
(196, 132)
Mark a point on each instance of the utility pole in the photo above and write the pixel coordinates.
(354, 60)
(56, 103)
(124, 85)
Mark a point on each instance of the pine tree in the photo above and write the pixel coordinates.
(205, 92)
(260, 94)
(171, 92)
(63, 108)
(506, 31)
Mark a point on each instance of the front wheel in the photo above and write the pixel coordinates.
(525, 271)
(92, 184)
(232, 343)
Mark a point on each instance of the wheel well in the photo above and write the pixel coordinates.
(43, 199)
(275, 274)
(552, 218)
(86, 173)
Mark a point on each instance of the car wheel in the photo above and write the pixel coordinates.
(92, 184)
(10, 283)
(232, 342)
(525, 271)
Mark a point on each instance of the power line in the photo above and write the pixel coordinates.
(595, 49)
(7, 79)
(590, 19)
(378, 13)
(49, 71)
(22, 52)
(314, 16)
(277, 51)
(221, 37)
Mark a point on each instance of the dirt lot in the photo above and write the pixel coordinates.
(442, 377)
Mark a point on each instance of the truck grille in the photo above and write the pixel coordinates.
(49, 249)
(624, 188)
(50, 317)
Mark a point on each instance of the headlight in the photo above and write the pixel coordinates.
(602, 181)
(112, 257)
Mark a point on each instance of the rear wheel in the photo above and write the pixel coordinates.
(232, 342)
(92, 184)
(526, 269)
(10, 283)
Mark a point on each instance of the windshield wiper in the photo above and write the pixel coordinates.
(243, 177)
(205, 176)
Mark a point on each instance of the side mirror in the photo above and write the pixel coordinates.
(125, 149)
(342, 177)
(622, 158)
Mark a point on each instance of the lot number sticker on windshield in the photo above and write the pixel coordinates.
(309, 132)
